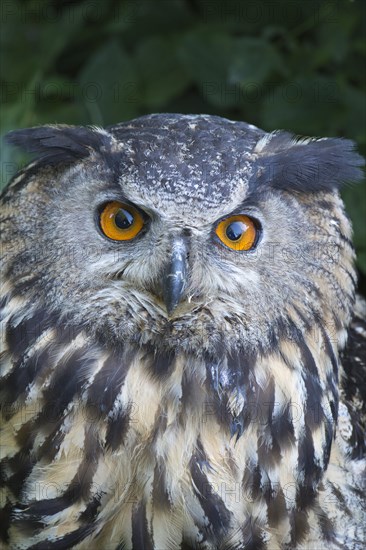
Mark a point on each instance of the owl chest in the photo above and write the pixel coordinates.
(175, 458)
(166, 418)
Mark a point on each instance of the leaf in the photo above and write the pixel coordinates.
(361, 261)
(140, 19)
(334, 35)
(254, 60)
(308, 106)
(162, 74)
(206, 56)
(35, 36)
(355, 112)
(109, 86)
(354, 197)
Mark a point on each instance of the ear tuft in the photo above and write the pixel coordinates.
(60, 144)
(307, 164)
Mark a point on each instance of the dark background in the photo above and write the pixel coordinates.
(297, 65)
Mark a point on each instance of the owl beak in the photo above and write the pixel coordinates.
(175, 276)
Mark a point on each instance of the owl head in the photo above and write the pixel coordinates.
(183, 232)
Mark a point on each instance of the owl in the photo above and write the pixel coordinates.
(184, 355)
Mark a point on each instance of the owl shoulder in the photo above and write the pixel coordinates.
(353, 379)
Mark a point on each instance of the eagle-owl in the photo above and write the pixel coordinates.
(177, 300)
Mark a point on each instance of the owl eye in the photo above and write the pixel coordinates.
(238, 232)
(120, 221)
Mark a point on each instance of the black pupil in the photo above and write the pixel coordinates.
(235, 230)
(123, 219)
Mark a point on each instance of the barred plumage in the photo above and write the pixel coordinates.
(154, 399)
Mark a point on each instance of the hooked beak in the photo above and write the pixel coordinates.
(175, 276)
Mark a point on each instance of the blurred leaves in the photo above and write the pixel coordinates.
(109, 78)
(280, 64)
(162, 75)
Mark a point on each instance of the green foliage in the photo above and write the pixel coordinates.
(279, 64)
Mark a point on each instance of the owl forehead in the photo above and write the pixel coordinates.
(187, 162)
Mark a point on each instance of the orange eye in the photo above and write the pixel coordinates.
(120, 222)
(237, 232)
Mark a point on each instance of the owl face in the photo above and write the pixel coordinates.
(188, 232)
